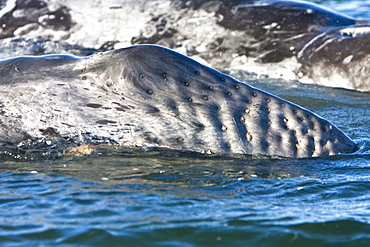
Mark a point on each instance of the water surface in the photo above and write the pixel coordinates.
(123, 197)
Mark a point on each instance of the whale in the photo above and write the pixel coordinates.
(151, 96)
(293, 40)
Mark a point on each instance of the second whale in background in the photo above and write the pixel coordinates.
(288, 39)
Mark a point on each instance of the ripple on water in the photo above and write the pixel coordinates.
(186, 200)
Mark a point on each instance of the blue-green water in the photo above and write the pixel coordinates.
(117, 197)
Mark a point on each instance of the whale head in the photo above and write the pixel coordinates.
(151, 96)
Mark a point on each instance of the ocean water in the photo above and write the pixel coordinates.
(354, 8)
(123, 197)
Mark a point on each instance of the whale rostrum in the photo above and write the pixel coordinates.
(150, 96)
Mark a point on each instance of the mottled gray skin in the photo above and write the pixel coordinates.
(150, 96)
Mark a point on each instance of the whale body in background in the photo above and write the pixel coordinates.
(150, 96)
(286, 39)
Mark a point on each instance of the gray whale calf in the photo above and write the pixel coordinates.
(150, 96)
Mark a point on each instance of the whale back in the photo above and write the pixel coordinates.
(151, 96)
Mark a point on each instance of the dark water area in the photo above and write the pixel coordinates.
(129, 197)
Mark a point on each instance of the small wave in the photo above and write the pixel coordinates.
(363, 146)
